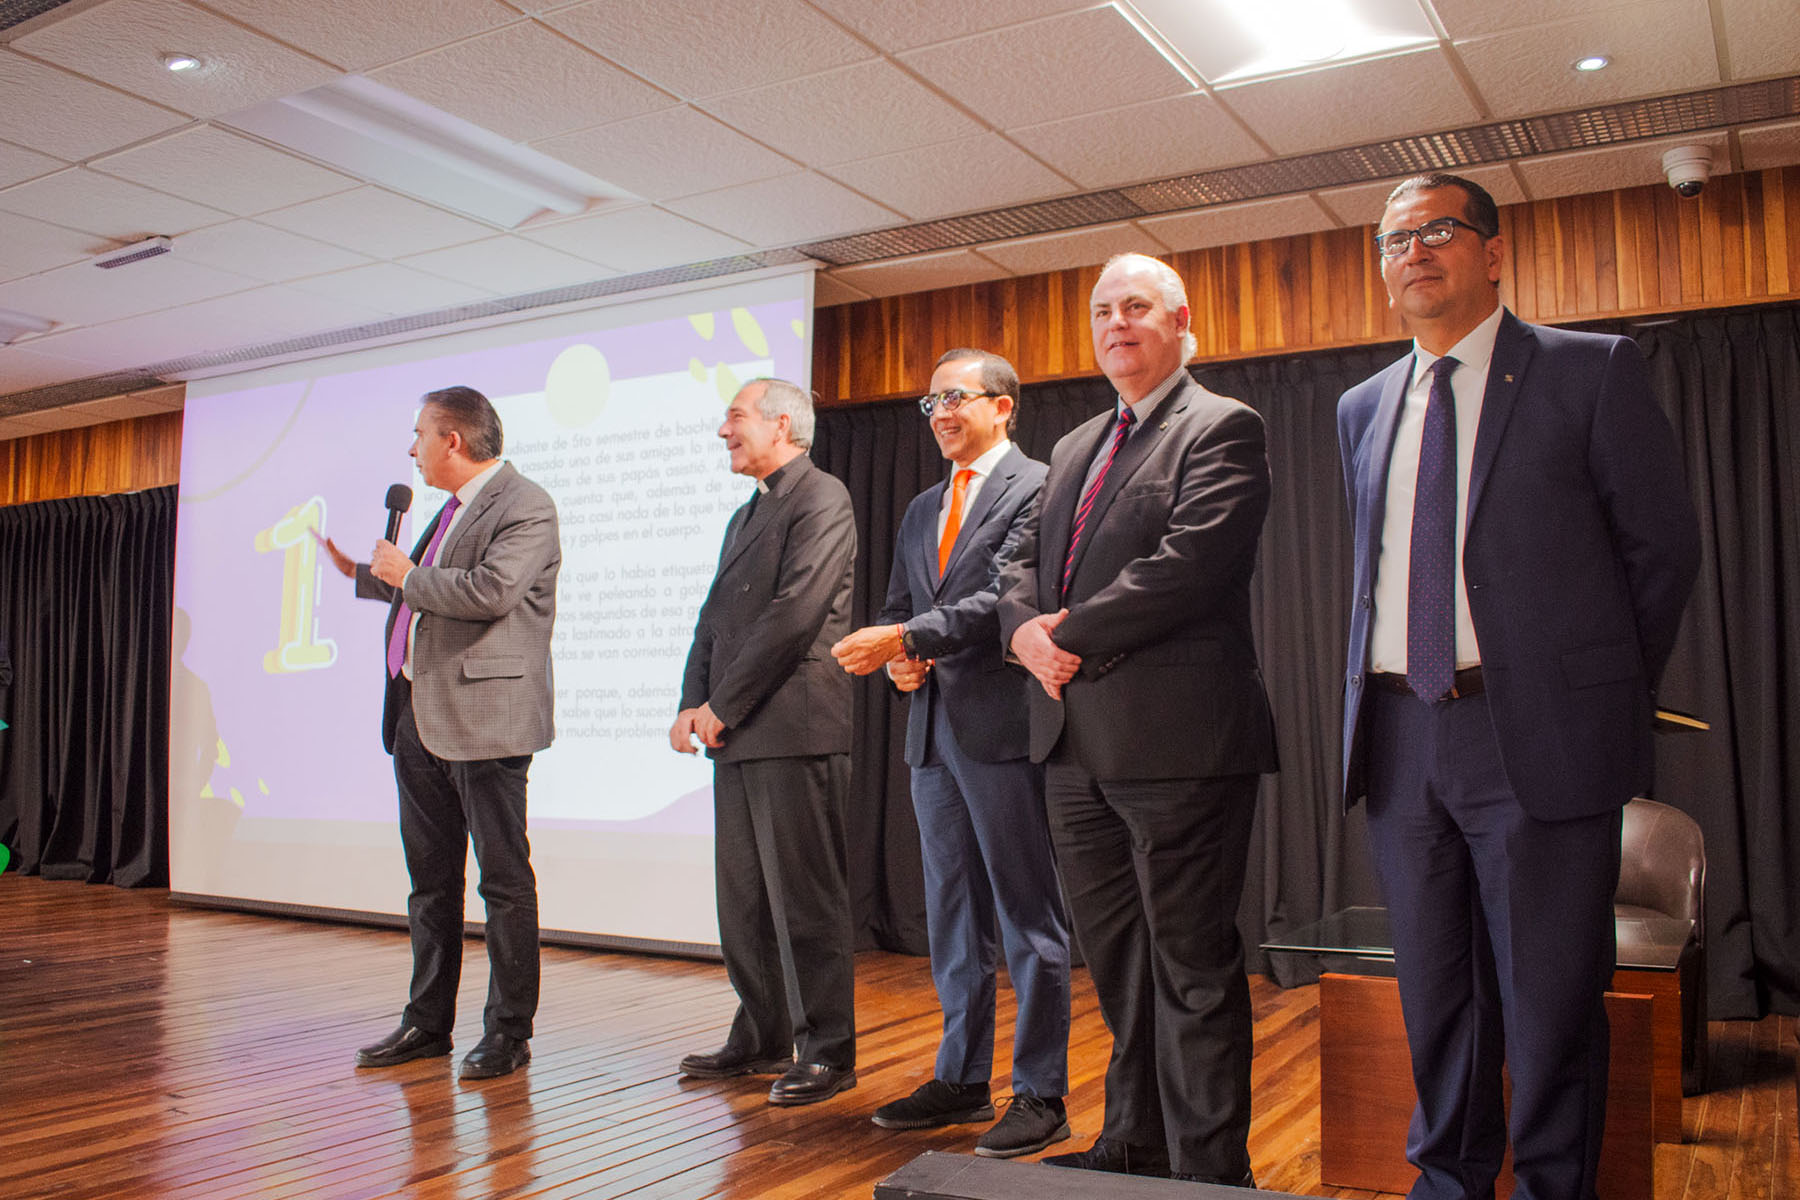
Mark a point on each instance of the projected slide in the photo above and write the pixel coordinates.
(280, 790)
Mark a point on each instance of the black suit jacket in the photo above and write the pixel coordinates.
(1581, 548)
(761, 655)
(953, 620)
(1159, 604)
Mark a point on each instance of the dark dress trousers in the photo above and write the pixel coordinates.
(761, 657)
(1153, 754)
(462, 733)
(1494, 818)
(990, 878)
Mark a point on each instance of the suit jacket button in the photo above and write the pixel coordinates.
(1366, 602)
(1356, 681)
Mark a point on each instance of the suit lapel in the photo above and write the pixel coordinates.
(1056, 507)
(491, 493)
(767, 506)
(1513, 346)
(1378, 448)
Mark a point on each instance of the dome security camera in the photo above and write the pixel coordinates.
(1688, 169)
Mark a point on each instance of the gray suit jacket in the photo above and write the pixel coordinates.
(762, 645)
(481, 655)
(1159, 604)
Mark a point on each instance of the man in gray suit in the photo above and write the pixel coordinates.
(468, 703)
(762, 694)
(1129, 600)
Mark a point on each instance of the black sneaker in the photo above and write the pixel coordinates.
(1030, 1124)
(937, 1103)
(1120, 1158)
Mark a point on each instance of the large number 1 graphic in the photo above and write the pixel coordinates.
(299, 647)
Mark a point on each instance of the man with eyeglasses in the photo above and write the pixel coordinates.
(1524, 547)
(990, 879)
(1129, 601)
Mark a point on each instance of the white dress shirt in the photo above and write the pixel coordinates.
(983, 467)
(1474, 354)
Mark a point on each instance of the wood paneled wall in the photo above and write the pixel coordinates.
(1622, 253)
(94, 460)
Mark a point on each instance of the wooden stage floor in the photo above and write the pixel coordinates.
(154, 1050)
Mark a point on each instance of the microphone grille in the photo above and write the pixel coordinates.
(399, 498)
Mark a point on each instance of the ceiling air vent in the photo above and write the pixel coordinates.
(150, 247)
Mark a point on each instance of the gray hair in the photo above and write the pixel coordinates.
(780, 398)
(469, 413)
(1174, 292)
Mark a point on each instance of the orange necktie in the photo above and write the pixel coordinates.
(958, 487)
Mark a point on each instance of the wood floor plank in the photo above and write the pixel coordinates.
(155, 1050)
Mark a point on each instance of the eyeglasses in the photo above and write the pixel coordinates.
(950, 400)
(1396, 242)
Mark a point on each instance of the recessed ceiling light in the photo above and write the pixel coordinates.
(180, 62)
(1593, 62)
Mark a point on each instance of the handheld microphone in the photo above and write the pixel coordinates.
(399, 499)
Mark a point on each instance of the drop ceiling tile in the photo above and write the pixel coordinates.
(1657, 48)
(18, 164)
(829, 291)
(1613, 167)
(378, 223)
(83, 294)
(357, 35)
(224, 170)
(1061, 66)
(480, 80)
(908, 24)
(52, 111)
(1766, 146)
(1158, 139)
(784, 211)
(637, 239)
(919, 273)
(1232, 224)
(1473, 18)
(956, 177)
(669, 153)
(696, 48)
(507, 266)
(1074, 248)
(1364, 203)
(27, 246)
(391, 288)
(263, 252)
(45, 420)
(21, 370)
(1403, 93)
(116, 408)
(1762, 37)
(123, 41)
(849, 113)
(106, 207)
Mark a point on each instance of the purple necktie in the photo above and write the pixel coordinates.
(396, 655)
(1120, 431)
(1431, 582)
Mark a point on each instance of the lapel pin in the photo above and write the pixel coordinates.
(1509, 379)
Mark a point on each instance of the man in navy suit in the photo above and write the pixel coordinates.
(1524, 547)
(1129, 600)
(980, 801)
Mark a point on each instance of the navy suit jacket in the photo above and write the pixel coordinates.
(1159, 603)
(952, 617)
(1581, 549)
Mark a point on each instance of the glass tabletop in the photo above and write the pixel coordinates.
(1644, 943)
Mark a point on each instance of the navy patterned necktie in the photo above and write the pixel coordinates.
(1120, 431)
(1431, 582)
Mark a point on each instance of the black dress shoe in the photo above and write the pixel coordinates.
(1116, 1157)
(1246, 1181)
(403, 1045)
(494, 1055)
(809, 1083)
(729, 1061)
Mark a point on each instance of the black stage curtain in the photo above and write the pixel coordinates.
(1731, 385)
(85, 595)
